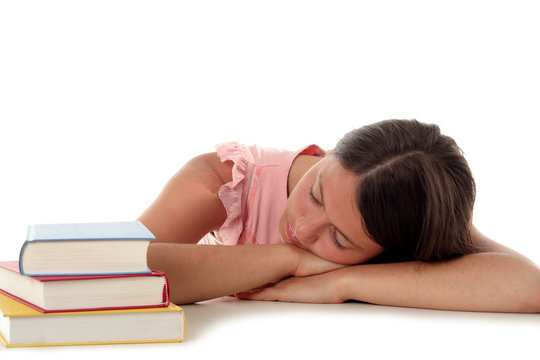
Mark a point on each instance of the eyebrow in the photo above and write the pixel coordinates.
(319, 180)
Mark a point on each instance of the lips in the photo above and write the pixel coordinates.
(291, 236)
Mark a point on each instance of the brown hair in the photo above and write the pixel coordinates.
(415, 192)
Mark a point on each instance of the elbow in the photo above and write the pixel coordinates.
(522, 286)
(520, 290)
(535, 298)
(531, 304)
(531, 296)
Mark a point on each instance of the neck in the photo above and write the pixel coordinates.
(300, 165)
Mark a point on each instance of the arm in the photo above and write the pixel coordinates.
(495, 282)
(188, 207)
(497, 279)
(201, 272)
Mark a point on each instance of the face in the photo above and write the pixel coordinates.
(321, 216)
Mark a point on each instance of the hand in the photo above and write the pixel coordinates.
(311, 264)
(320, 289)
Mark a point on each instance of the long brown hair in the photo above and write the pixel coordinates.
(416, 191)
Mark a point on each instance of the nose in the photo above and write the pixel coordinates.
(309, 227)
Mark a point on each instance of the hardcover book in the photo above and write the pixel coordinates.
(85, 249)
(90, 292)
(20, 325)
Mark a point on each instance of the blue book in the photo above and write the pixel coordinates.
(85, 249)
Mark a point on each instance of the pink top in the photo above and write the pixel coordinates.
(255, 198)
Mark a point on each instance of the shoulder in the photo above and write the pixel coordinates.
(218, 166)
(207, 170)
(485, 244)
(218, 171)
(188, 207)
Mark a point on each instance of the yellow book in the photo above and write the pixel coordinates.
(20, 325)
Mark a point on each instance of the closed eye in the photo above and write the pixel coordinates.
(334, 231)
(336, 241)
(313, 198)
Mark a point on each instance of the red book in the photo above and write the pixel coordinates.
(84, 292)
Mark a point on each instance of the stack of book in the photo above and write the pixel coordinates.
(78, 284)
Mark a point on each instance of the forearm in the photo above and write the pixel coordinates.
(495, 282)
(198, 272)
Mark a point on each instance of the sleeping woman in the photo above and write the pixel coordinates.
(385, 217)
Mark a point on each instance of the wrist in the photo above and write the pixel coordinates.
(344, 283)
(292, 256)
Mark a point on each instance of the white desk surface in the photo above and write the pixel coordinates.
(228, 328)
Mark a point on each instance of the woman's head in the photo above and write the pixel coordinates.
(321, 216)
(415, 191)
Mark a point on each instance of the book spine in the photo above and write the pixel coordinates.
(30, 236)
(166, 291)
(21, 255)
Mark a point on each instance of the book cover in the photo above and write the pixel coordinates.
(85, 249)
(124, 230)
(21, 325)
(34, 291)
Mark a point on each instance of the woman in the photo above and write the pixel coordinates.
(386, 218)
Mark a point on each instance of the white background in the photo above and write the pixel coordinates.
(102, 101)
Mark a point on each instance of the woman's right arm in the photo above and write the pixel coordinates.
(187, 209)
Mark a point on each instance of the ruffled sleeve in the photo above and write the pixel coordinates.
(231, 193)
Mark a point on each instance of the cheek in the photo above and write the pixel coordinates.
(297, 204)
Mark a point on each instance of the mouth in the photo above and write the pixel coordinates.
(292, 236)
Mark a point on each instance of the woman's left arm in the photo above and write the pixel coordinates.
(497, 279)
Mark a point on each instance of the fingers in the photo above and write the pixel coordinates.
(270, 292)
(319, 289)
(259, 294)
